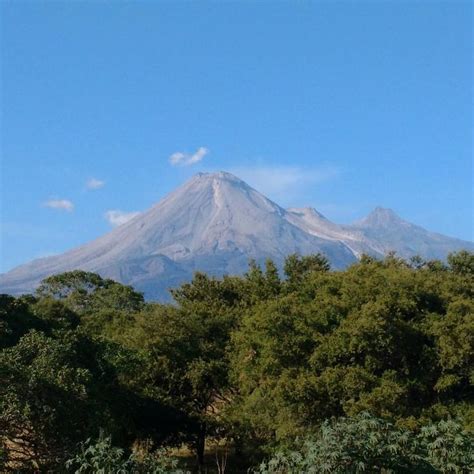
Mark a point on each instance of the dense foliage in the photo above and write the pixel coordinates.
(367, 369)
(368, 444)
(101, 457)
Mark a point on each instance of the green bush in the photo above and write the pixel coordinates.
(369, 444)
(447, 447)
(101, 457)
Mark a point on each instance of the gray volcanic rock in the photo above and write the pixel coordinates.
(382, 231)
(215, 223)
(315, 223)
(387, 232)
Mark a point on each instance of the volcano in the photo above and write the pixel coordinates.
(215, 223)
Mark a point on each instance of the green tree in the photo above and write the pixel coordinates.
(454, 336)
(462, 262)
(186, 349)
(296, 267)
(86, 292)
(382, 337)
(16, 319)
(43, 400)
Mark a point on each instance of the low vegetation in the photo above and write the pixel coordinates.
(370, 369)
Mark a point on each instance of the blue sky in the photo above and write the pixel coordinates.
(338, 105)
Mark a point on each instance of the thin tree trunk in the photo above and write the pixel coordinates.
(200, 446)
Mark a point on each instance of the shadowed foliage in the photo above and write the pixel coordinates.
(361, 370)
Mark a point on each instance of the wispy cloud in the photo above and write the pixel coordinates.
(186, 159)
(94, 183)
(117, 217)
(60, 204)
(285, 181)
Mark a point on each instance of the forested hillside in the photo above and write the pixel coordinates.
(360, 370)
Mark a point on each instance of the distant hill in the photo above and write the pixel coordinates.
(215, 223)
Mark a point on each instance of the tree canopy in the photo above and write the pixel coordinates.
(312, 369)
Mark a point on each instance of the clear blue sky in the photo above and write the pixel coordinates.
(340, 106)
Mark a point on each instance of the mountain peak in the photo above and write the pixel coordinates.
(218, 175)
(384, 212)
(224, 189)
(215, 222)
(380, 216)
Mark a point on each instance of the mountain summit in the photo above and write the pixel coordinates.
(216, 222)
(380, 217)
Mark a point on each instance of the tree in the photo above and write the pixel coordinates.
(16, 319)
(382, 337)
(186, 349)
(57, 385)
(462, 262)
(44, 405)
(297, 267)
(384, 349)
(54, 314)
(86, 292)
(272, 278)
(454, 333)
(70, 284)
(261, 285)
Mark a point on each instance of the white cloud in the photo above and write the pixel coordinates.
(61, 204)
(186, 159)
(285, 182)
(116, 217)
(95, 183)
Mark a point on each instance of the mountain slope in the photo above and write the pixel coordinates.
(314, 223)
(214, 222)
(386, 232)
(382, 231)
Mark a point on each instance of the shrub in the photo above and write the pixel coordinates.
(369, 444)
(101, 457)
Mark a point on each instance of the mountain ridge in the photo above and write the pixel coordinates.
(216, 222)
